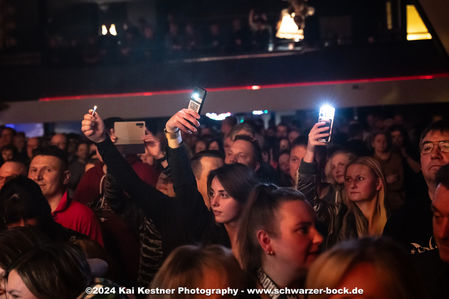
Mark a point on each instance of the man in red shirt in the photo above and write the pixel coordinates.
(48, 169)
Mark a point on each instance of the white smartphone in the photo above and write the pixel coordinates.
(129, 136)
(326, 115)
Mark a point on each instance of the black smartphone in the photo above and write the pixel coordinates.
(197, 99)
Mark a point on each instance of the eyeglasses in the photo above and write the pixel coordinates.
(427, 147)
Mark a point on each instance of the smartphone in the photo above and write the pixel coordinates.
(129, 136)
(326, 115)
(197, 99)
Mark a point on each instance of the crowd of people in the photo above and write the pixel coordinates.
(247, 207)
(145, 42)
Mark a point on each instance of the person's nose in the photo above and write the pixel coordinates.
(39, 175)
(317, 237)
(436, 152)
(214, 202)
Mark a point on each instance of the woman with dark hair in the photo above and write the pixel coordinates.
(278, 240)
(13, 243)
(54, 271)
(50, 271)
(377, 266)
(229, 188)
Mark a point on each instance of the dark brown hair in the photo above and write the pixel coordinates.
(53, 271)
(237, 179)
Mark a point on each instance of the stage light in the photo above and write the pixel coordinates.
(104, 30)
(292, 23)
(259, 112)
(218, 117)
(287, 28)
(113, 30)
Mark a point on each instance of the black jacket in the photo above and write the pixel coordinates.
(183, 219)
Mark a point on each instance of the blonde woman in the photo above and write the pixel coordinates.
(365, 200)
(191, 266)
(377, 266)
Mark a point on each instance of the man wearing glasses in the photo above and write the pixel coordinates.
(413, 224)
(434, 149)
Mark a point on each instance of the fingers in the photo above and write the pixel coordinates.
(191, 116)
(186, 120)
(192, 113)
(88, 125)
(185, 126)
(319, 131)
(320, 127)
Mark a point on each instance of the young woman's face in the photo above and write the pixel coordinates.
(361, 184)
(298, 242)
(16, 288)
(380, 143)
(225, 208)
(338, 167)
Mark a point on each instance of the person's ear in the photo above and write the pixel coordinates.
(379, 184)
(66, 177)
(265, 242)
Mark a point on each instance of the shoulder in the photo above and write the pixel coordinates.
(80, 209)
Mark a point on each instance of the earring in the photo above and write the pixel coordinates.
(270, 252)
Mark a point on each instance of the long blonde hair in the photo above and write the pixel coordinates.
(395, 272)
(187, 266)
(380, 213)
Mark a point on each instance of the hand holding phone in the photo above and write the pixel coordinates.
(185, 120)
(326, 115)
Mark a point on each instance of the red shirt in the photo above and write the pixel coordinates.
(78, 217)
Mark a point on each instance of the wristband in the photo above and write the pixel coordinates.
(174, 139)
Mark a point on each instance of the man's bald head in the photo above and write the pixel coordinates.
(10, 169)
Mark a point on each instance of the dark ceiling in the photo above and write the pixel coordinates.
(347, 39)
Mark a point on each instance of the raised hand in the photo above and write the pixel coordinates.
(92, 127)
(315, 134)
(185, 120)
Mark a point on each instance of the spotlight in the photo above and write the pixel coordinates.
(104, 30)
(113, 30)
